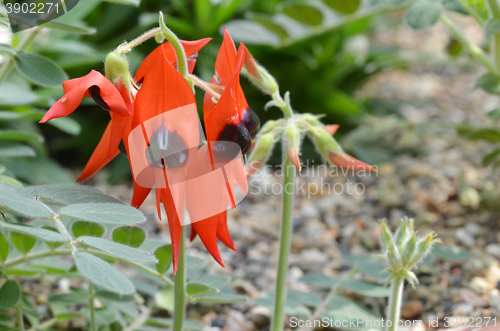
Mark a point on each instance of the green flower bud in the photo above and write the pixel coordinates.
(403, 234)
(259, 75)
(325, 143)
(424, 246)
(260, 153)
(292, 142)
(385, 234)
(411, 277)
(312, 119)
(269, 126)
(116, 67)
(409, 251)
(393, 256)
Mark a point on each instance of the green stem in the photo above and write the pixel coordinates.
(91, 307)
(182, 65)
(180, 289)
(20, 320)
(495, 13)
(44, 325)
(397, 286)
(34, 256)
(5, 69)
(471, 11)
(285, 240)
(142, 38)
(466, 43)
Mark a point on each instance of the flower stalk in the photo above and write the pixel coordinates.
(395, 299)
(180, 288)
(285, 242)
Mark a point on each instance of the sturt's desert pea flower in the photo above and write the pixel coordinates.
(156, 89)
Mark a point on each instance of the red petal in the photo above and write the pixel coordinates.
(332, 128)
(225, 63)
(163, 89)
(223, 231)
(71, 100)
(190, 47)
(207, 231)
(348, 162)
(140, 194)
(100, 157)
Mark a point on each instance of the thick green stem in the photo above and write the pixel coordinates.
(92, 308)
(5, 69)
(20, 322)
(180, 289)
(494, 8)
(466, 43)
(284, 252)
(182, 65)
(397, 286)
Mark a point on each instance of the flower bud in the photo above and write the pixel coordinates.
(312, 119)
(393, 256)
(292, 142)
(260, 153)
(403, 234)
(424, 246)
(116, 67)
(259, 75)
(269, 126)
(385, 234)
(411, 277)
(409, 251)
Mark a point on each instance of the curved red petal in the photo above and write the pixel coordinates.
(223, 231)
(207, 231)
(348, 162)
(71, 100)
(163, 89)
(190, 48)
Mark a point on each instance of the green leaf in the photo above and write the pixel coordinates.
(221, 298)
(4, 248)
(216, 281)
(165, 298)
(487, 134)
(45, 235)
(17, 135)
(22, 242)
(71, 28)
(343, 6)
(164, 256)
(67, 125)
(269, 24)
(423, 14)
(344, 309)
(82, 228)
(40, 70)
(252, 33)
(451, 253)
(490, 83)
(491, 157)
(304, 14)
(191, 325)
(126, 2)
(70, 194)
(108, 213)
(6, 320)
(319, 280)
(454, 5)
(366, 288)
(118, 250)
(492, 26)
(102, 273)
(129, 235)
(7, 49)
(17, 151)
(16, 200)
(370, 267)
(10, 181)
(494, 114)
(193, 262)
(114, 296)
(193, 289)
(70, 298)
(10, 294)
